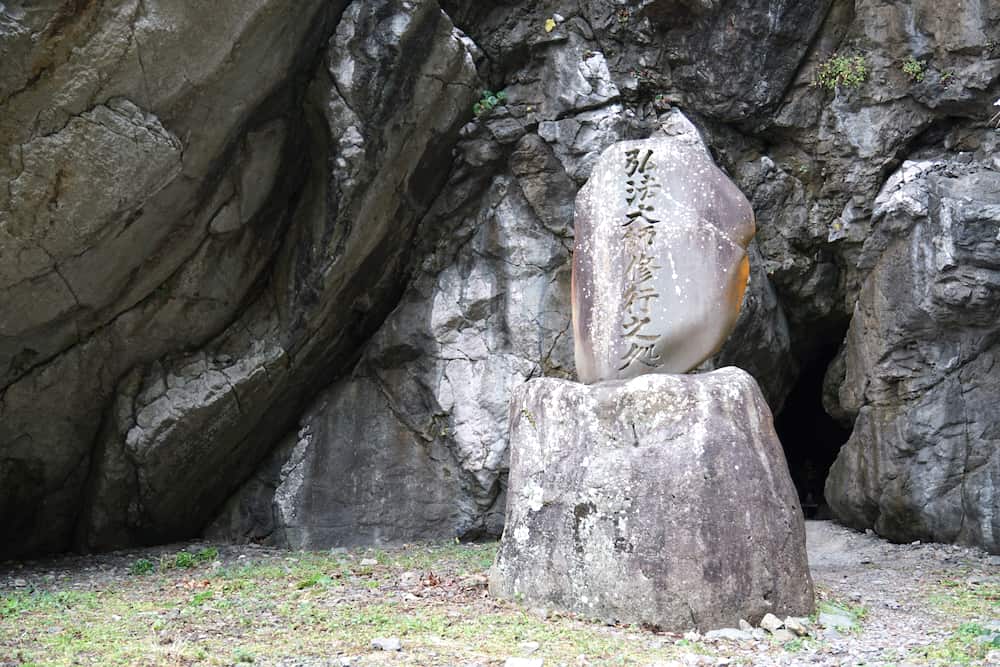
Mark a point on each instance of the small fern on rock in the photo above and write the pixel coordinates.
(488, 102)
(846, 71)
(914, 69)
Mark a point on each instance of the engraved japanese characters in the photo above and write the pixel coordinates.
(660, 264)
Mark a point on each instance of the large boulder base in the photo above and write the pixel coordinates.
(663, 500)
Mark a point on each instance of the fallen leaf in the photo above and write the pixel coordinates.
(550, 25)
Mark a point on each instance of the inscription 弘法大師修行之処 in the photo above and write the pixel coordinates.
(660, 261)
(640, 273)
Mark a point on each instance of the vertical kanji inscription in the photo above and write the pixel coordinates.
(639, 233)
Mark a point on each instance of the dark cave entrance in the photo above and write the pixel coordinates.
(810, 437)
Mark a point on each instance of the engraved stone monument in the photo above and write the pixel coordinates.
(645, 496)
(660, 265)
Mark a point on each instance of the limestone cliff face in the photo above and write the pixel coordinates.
(921, 356)
(261, 268)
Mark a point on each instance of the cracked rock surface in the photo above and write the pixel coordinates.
(259, 260)
(922, 355)
(229, 271)
(121, 140)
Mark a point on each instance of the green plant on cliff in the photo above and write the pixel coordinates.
(488, 102)
(846, 71)
(914, 69)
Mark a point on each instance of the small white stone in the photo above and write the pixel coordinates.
(771, 623)
(797, 625)
(387, 644)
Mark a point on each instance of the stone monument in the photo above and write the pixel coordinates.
(660, 264)
(645, 496)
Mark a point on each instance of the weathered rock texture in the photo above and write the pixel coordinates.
(660, 264)
(663, 500)
(272, 248)
(922, 354)
(151, 178)
(218, 218)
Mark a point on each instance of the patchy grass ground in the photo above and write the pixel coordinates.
(200, 604)
(251, 605)
(974, 607)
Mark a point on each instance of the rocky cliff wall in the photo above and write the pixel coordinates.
(263, 269)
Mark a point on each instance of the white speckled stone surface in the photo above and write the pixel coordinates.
(660, 264)
(664, 499)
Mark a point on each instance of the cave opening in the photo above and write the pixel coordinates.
(810, 437)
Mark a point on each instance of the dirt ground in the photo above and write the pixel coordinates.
(205, 604)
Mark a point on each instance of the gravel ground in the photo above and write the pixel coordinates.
(915, 595)
(914, 604)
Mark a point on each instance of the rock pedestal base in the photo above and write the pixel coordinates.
(663, 500)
